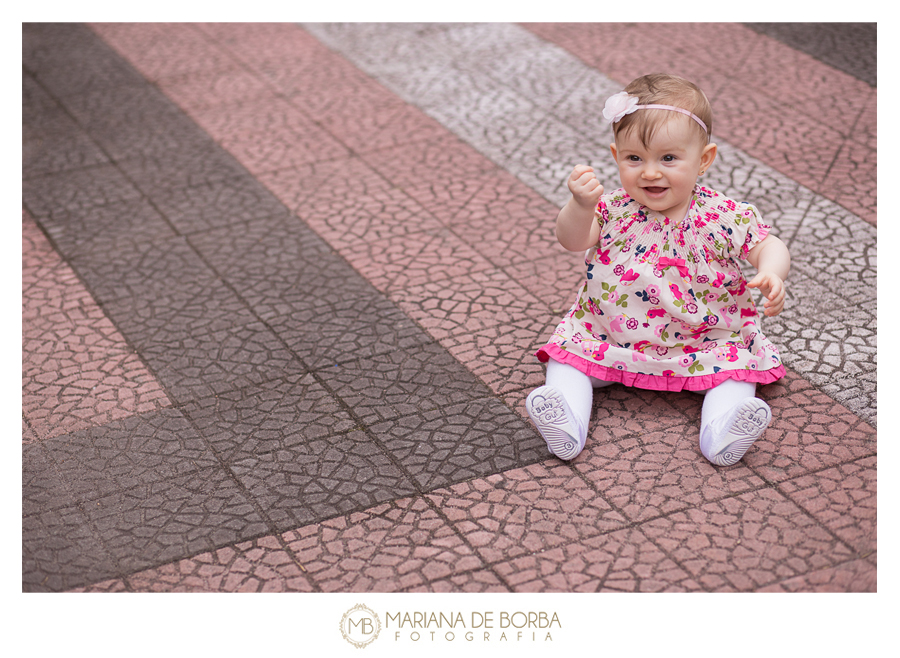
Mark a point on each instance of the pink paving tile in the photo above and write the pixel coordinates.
(107, 586)
(77, 370)
(854, 576)
(784, 136)
(555, 279)
(817, 90)
(260, 44)
(320, 82)
(365, 126)
(844, 499)
(511, 231)
(653, 473)
(260, 565)
(266, 113)
(476, 301)
(418, 259)
(397, 546)
(746, 542)
(809, 432)
(204, 89)
(264, 152)
(320, 189)
(412, 165)
(472, 582)
(525, 511)
(165, 50)
(621, 561)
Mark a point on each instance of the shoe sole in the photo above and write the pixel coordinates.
(749, 423)
(551, 415)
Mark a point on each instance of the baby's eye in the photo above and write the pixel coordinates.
(668, 158)
(633, 158)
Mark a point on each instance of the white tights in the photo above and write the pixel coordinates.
(578, 390)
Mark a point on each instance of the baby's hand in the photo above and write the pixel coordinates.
(772, 287)
(585, 187)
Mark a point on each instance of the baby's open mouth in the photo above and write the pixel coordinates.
(655, 190)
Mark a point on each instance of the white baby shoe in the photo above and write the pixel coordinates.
(553, 418)
(725, 441)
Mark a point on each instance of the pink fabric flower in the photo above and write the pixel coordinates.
(618, 105)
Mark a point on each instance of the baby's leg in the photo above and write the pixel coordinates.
(561, 409)
(731, 420)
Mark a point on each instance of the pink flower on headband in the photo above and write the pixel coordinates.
(618, 105)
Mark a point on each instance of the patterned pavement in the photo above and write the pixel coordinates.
(261, 269)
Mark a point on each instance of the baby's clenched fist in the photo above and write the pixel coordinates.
(584, 186)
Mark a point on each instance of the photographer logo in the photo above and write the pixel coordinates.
(360, 626)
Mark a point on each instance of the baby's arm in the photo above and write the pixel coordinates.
(772, 259)
(576, 229)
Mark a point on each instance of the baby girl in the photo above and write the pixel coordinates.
(664, 305)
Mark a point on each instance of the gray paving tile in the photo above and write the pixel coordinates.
(76, 190)
(102, 229)
(46, 49)
(139, 450)
(402, 382)
(166, 520)
(60, 551)
(204, 343)
(157, 173)
(216, 204)
(42, 487)
(460, 441)
(53, 142)
(323, 477)
(137, 269)
(130, 121)
(276, 415)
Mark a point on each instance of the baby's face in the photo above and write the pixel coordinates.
(662, 174)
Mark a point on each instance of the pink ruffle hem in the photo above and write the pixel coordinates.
(658, 382)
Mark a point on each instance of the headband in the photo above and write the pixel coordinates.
(618, 105)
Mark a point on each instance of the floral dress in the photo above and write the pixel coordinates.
(665, 305)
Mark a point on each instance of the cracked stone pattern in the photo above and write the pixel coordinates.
(656, 473)
(525, 511)
(495, 112)
(156, 523)
(630, 559)
(745, 542)
(402, 545)
(268, 417)
(844, 499)
(459, 441)
(854, 576)
(139, 450)
(260, 565)
(77, 369)
(850, 49)
(59, 551)
(809, 432)
(323, 477)
(203, 344)
(622, 561)
(396, 384)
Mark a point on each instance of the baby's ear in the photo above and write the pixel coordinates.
(708, 156)
(612, 148)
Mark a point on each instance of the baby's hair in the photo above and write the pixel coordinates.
(664, 89)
